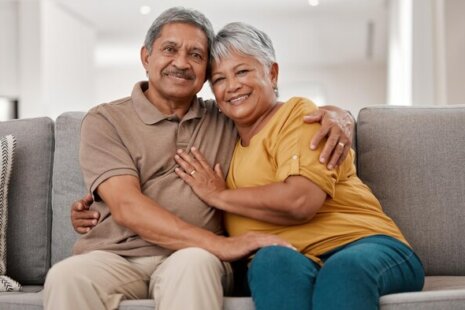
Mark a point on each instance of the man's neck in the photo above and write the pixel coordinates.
(170, 106)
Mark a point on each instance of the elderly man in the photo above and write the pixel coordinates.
(154, 237)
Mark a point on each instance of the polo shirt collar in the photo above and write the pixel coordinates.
(150, 115)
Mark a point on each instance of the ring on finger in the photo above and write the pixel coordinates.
(192, 172)
(341, 144)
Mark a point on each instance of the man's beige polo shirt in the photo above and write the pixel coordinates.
(132, 137)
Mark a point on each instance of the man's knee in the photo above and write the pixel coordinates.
(195, 259)
(64, 273)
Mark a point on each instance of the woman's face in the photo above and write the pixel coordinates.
(243, 87)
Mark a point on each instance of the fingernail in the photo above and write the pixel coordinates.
(322, 159)
(312, 146)
(330, 167)
(179, 151)
(94, 222)
(193, 148)
(176, 156)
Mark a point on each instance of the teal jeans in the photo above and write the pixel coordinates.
(353, 276)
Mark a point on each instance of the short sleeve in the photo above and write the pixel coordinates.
(102, 153)
(293, 154)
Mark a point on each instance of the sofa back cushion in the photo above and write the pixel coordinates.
(413, 158)
(29, 207)
(68, 184)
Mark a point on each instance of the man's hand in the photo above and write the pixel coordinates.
(234, 248)
(338, 126)
(82, 218)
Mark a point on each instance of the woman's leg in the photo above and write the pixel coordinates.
(281, 278)
(356, 275)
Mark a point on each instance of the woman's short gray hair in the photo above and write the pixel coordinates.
(179, 15)
(244, 39)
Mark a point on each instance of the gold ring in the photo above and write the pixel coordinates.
(341, 144)
(192, 172)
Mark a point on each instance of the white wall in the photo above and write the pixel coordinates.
(55, 66)
(68, 61)
(30, 64)
(455, 51)
(114, 82)
(9, 49)
(351, 87)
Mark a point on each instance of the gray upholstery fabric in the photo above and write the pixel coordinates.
(29, 216)
(21, 301)
(436, 283)
(413, 160)
(447, 299)
(230, 303)
(68, 185)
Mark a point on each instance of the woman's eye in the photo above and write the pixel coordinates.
(242, 72)
(217, 80)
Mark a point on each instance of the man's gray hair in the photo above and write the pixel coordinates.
(179, 15)
(244, 39)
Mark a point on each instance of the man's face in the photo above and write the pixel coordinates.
(178, 62)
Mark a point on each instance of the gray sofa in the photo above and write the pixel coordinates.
(412, 158)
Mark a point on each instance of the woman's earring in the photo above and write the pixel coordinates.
(276, 91)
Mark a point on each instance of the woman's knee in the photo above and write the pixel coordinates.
(276, 260)
(348, 265)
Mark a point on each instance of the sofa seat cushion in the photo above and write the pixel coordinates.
(439, 293)
(432, 300)
(28, 299)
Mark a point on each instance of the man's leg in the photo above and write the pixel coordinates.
(190, 278)
(281, 278)
(96, 280)
(355, 276)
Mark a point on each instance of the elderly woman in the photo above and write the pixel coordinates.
(348, 252)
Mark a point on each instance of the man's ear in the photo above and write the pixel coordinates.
(144, 57)
(274, 70)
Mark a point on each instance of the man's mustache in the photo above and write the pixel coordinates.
(183, 74)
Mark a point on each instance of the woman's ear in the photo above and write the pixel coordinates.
(274, 70)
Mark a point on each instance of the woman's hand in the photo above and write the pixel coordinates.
(195, 171)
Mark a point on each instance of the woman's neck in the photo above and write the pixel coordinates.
(247, 131)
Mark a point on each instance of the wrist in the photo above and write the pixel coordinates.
(217, 200)
(216, 244)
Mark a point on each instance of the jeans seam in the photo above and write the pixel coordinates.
(394, 265)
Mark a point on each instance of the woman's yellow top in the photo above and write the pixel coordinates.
(282, 149)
